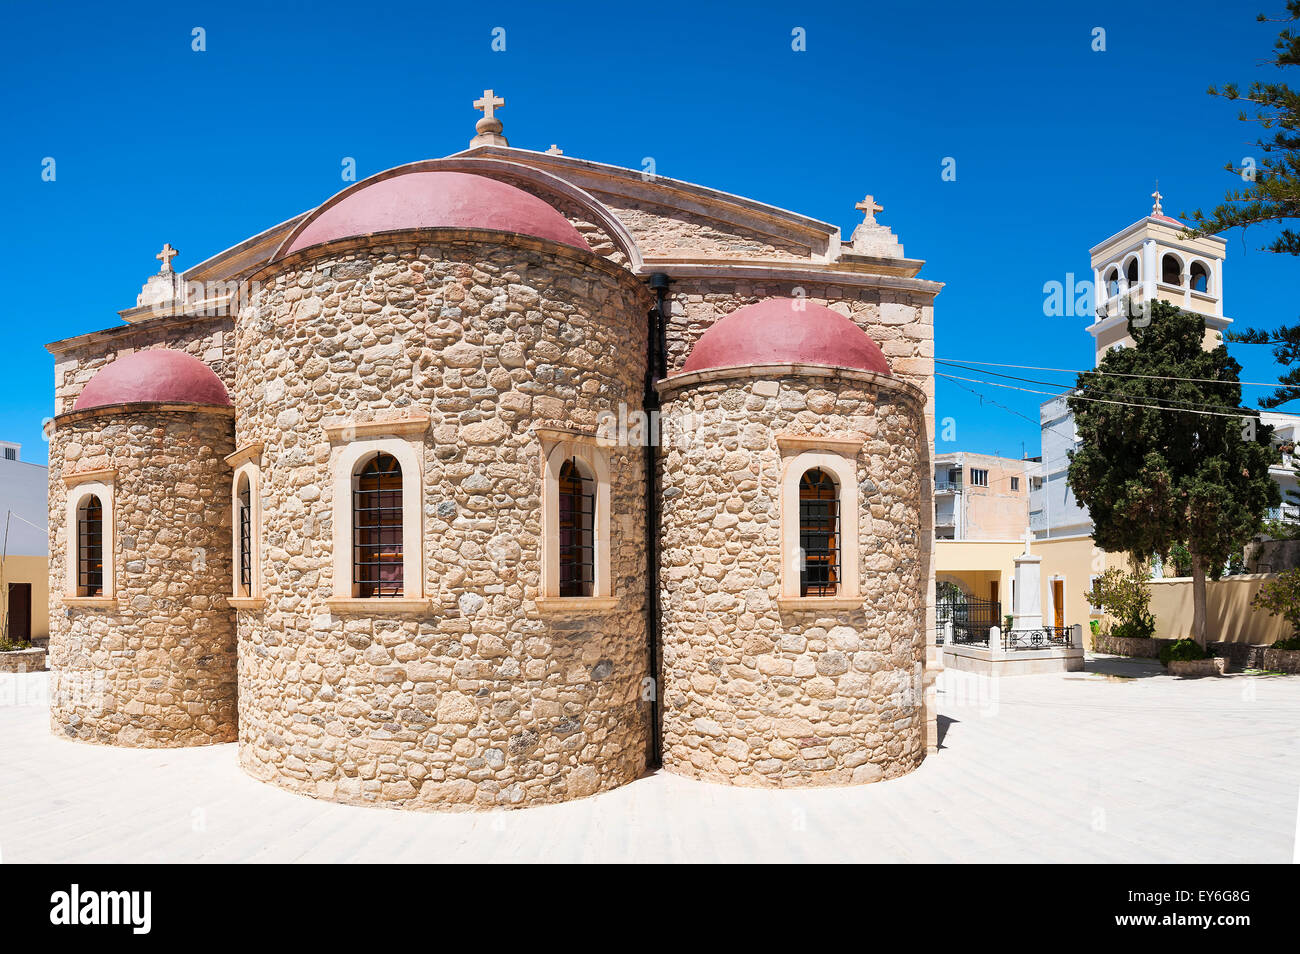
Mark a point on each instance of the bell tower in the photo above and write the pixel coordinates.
(1152, 260)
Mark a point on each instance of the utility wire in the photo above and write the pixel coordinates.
(1147, 407)
(1070, 387)
(1115, 374)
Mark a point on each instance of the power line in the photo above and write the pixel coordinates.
(1070, 387)
(1115, 374)
(1146, 407)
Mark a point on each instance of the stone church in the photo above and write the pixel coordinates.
(495, 479)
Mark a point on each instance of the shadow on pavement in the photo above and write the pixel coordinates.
(1124, 667)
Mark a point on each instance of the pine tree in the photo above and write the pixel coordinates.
(1272, 193)
(1153, 468)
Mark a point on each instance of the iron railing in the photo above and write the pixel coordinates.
(971, 618)
(1043, 637)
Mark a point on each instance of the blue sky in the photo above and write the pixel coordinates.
(1057, 146)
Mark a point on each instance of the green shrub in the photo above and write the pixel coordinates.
(8, 647)
(1125, 595)
(1291, 642)
(1181, 651)
(1140, 627)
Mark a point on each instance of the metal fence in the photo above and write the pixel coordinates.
(971, 618)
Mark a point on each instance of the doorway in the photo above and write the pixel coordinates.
(20, 612)
(1058, 603)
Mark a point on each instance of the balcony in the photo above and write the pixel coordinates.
(943, 485)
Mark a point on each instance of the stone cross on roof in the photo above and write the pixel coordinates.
(489, 103)
(1155, 209)
(554, 150)
(166, 256)
(869, 207)
(488, 129)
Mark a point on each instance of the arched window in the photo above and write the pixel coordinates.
(377, 558)
(90, 547)
(1112, 283)
(244, 540)
(819, 534)
(1131, 272)
(1200, 277)
(1171, 270)
(577, 500)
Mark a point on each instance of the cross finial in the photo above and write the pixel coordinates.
(489, 103)
(166, 256)
(869, 208)
(487, 131)
(1155, 209)
(554, 150)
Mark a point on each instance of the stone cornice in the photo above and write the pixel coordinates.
(562, 434)
(245, 453)
(161, 323)
(103, 476)
(840, 443)
(676, 382)
(141, 407)
(831, 273)
(413, 425)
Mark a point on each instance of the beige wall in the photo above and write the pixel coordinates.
(1231, 618)
(36, 571)
(975, 565)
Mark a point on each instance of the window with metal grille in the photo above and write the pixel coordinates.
(90, 547)
(819, 534)
(377, 567)
(577, 504)
(245, 537)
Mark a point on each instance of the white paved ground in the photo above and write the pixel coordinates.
(1070, 767)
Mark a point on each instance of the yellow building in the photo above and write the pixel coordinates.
(24, 548)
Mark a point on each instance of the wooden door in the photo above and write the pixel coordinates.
(1058, 603)
(20, 612)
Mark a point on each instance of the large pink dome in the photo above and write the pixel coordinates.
(159, 375)
(429, 200)
(786, 331)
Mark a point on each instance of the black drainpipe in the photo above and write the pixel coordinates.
(656, 369)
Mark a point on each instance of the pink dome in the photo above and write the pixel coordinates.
(786, 331)
(159, 375)
(1165, 218)
(430, 200)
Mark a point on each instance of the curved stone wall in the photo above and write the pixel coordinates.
(482, 700)
(763, 693)
(155, 666)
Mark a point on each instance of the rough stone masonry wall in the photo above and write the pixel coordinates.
(157, 669)
(758, 695)
(483, 701)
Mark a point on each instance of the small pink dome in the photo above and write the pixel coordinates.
(1165, 218)
(428, 200)
(786, 331)
(159, 375)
